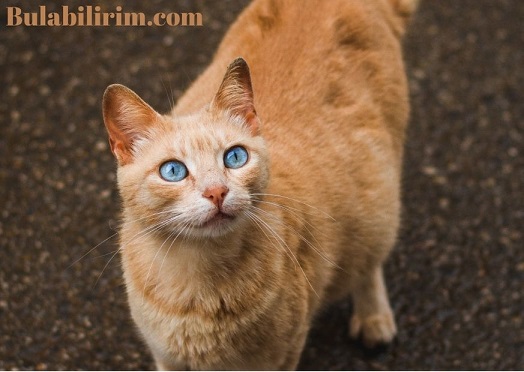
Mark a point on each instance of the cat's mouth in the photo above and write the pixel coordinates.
(218, 219)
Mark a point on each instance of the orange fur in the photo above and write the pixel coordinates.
(311, 216)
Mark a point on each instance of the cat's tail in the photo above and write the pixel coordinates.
(404, 8)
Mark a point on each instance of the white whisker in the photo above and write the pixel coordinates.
(252, 218)
(104, 255)
(293, 211)
(153, 228)
(160, 248)
(139, 235)
(92, 249)
(288, 208)
(107, 264)
(184, 227)
(297, 201)
(317, 250)
(156, 254)
(112, 236)
(272, 231)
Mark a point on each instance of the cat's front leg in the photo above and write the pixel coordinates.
(372, 317)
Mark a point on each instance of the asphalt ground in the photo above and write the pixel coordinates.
(455, 277)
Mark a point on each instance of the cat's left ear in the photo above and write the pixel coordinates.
(236, 94)
(128, 119)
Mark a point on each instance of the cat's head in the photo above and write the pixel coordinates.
(193, 175)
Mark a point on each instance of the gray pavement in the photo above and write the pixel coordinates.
(455, 277)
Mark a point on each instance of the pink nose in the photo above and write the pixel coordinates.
(216, 194)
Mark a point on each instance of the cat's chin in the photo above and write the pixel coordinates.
(218, 225)
(217, 220)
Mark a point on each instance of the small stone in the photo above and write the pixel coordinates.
(15, 116)
(168, 40)
(513, 152)
(105, 194)
(14, 90)
(443, 203)
(429, 171)
(101, 146)
(44, 90)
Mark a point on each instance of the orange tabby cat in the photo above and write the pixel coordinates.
(267, 194)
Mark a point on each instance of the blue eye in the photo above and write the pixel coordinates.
(173, 171)
(235, 157)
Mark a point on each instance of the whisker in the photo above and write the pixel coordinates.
(103, 255)
(252, 218)
(141, 234)
(294, 212)
(286, 207)
(297, 201)
(91, 250)
(275, 234)
(149, 216)
(184, 227)
(156, 254)
(153, 228)
(107, 264)
(160, 249)
(170, 98)
(270, 229)
(318, 250)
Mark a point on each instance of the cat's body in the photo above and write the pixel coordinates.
(308, 219)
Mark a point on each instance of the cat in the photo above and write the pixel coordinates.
(271, 190)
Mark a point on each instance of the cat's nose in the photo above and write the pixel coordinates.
(216, 194)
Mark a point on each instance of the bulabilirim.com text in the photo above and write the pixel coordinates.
(90, 15)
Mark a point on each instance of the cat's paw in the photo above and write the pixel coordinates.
(375, 329)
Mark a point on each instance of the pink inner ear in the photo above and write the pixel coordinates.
(120, 140)
(119, 149)
(253, 122)
(236, 94)
(126, 117)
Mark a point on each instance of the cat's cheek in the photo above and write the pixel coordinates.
(161, 195)
(187, 204)
(254, 172)
(254, 179)
(237, 201)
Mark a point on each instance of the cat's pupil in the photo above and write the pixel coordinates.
(235, 157)
(173, 171)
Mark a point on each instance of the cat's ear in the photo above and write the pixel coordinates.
(235, 94)
(127, 119)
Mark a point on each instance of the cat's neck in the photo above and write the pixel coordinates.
(182, 257)
(185, 251)
(181, 273)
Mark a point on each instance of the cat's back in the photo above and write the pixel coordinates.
(320, 69)
(331, 92)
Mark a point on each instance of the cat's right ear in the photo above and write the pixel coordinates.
(127, 119)
(235, 94)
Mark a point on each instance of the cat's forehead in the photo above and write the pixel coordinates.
(201, 134)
